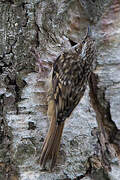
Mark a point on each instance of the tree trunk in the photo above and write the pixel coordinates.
(90, 146)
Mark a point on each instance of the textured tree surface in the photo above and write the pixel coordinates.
(90, 146)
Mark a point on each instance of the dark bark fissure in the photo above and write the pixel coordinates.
(8, 168)
(108, 133)
(10, 69)
(9, 1)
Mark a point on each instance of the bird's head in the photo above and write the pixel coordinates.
(88, 44)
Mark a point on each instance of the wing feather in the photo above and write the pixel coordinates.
(64, 76)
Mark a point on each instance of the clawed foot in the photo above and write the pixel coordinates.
(43, 65)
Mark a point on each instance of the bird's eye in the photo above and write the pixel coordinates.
(83, 42)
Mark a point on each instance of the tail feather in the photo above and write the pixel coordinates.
(51, 144)
(46, 152)
(56, 144)
(47, 145)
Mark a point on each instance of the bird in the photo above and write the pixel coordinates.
(67, 83)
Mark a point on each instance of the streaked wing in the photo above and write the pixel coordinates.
(66, 78)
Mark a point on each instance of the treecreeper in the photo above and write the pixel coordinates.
(67, 84)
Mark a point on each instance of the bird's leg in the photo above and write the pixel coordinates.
(42, 64)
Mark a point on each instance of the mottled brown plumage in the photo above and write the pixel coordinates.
(67, 85)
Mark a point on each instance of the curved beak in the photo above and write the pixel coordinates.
(89, 33)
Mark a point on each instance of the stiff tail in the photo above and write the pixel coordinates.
(52, 142)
